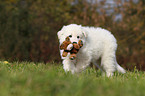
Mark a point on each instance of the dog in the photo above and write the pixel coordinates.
(97, 43)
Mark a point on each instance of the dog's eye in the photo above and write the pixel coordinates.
(78, 37)
(70, 36)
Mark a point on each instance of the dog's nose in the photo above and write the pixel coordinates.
(75, 42)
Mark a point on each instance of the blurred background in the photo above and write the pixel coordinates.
(28, 28)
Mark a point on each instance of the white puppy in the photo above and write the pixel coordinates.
(97, 43)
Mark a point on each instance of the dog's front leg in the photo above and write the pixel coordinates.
(82, 65)
(68, 65)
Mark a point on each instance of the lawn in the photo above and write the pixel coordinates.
(38, 79)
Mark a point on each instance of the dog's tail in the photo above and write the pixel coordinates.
(120, 69)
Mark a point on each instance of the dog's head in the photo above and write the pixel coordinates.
(74, 32)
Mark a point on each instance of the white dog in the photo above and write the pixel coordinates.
(97, 43)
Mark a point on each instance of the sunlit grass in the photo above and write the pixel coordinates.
(38, 79)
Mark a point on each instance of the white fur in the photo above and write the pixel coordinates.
(98, 43)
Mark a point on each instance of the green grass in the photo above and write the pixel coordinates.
(31, 79)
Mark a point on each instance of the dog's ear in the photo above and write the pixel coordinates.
(84, 32)
(59, 33)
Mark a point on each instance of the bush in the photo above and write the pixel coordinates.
(28, 28)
